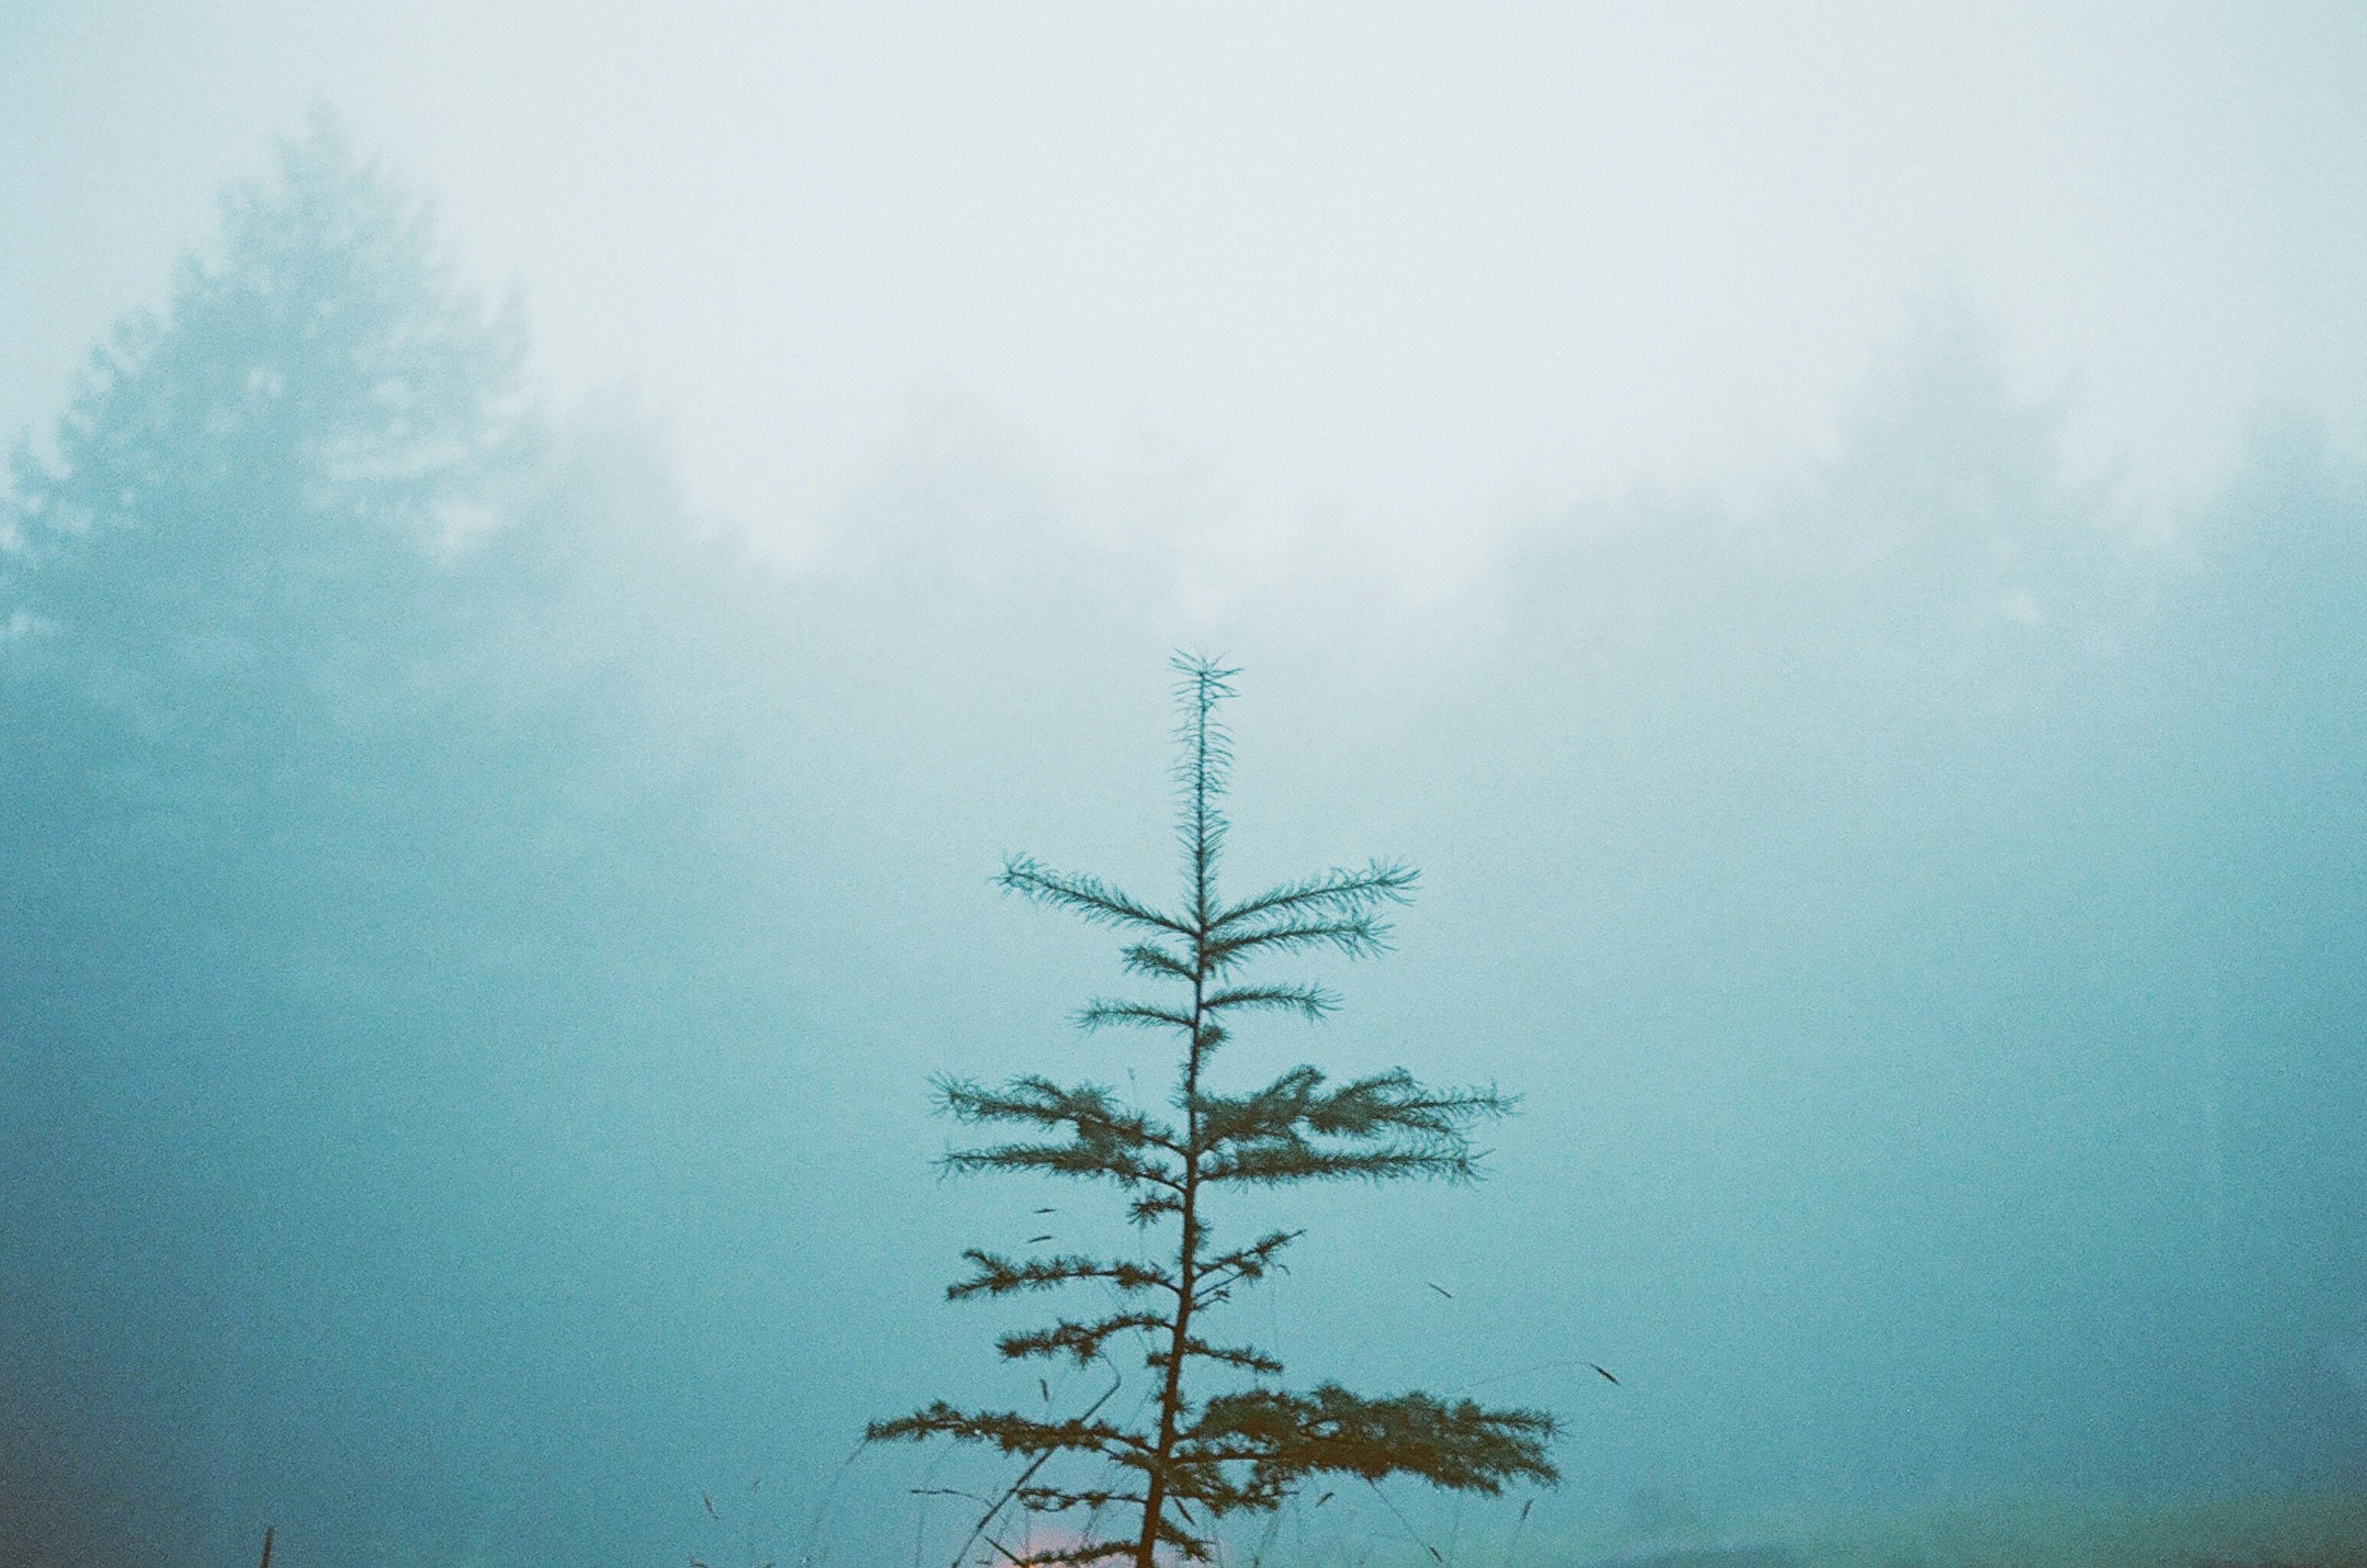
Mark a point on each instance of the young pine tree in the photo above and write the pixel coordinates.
(1194, 1456)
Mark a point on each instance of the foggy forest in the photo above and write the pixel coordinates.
(484, 919)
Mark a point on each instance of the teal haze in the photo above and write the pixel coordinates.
(478, 936)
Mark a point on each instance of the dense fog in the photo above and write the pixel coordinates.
(480, 928)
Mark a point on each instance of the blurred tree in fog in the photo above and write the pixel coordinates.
(260, 491)
(335, 809)
(304, 587)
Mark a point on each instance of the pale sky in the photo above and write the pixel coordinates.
(1280, 287)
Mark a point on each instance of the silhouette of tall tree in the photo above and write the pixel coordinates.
(253, 490)
(1193, 1458)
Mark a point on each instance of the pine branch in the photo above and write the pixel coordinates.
(1251, 1262)
(1150, 1208)
(1247, 1357)
(1394, 1102)
(1287, 1437)
(1274, 1164)
(1356, 936)
(1144, 958)
(1111, 1138)
(1078, 1158)
(1007, 1430)
(1337, 891)
(1080, 1341)
(1100, 1014)
(1310, 1002)
(1090, 1109)
(1198, 1476)
(1383, 1105)
(1061, 1499)
(999, 1276)
(1086, 1551)
(1087, 896)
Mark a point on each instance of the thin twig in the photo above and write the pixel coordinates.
(1412, 1534)
(1027, 1475)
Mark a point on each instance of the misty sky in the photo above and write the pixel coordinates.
(1287, 288)
(466, 1041)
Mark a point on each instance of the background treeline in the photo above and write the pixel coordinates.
(475, 933)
